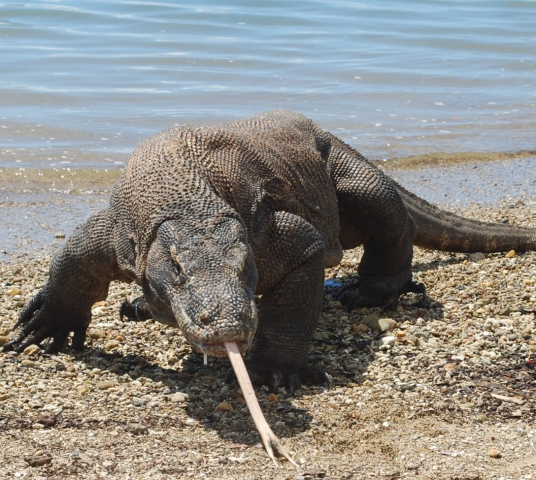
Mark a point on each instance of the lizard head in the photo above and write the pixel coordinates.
(201, 277)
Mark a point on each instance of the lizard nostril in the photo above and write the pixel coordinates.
(203, 319)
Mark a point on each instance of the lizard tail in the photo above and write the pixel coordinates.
(438, 229)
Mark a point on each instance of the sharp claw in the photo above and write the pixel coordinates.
(390, 305)
(294, 382)
(79, 338)
(137, 313)
(20, 321)
(277, 378)
(9, 346)
(122, 309)
(231, 376)
(29, 340)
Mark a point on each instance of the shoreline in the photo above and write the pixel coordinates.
(39, 206)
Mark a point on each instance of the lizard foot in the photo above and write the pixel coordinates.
(278, 378)
(377, 294)
(135, 311)
(42, 319)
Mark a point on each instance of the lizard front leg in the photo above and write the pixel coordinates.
(291, 274)
(80, 275)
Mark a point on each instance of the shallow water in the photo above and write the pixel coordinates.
(82, 83)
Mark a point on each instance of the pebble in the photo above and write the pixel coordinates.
(494, 453)
(96, 333)
(374, 322)
(179, 397)
(476, 257)
(389, 341)
(12, 291)
(137, 428)
(3, 340)
(111, 345)
(105, 384)
(31, 350)
(224, 407)
(38, 460)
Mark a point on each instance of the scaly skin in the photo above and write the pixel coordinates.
(205, 218)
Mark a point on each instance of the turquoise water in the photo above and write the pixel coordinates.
(83, 82)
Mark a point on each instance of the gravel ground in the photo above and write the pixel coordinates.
(439, 391)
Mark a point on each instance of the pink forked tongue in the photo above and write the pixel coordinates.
(268, 437)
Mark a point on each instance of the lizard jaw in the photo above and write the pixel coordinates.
(218, 349)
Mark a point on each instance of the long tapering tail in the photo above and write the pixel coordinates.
(441, 230)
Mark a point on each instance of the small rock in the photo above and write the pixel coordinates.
(390, 341)
(5, 396)
(481, 418)
(96, 333)
(112, 344)
(47, 419)
(372, 321)
(137, 428)
(3, 340)
(31, 350)
(104, 384)
(179, 397)
(224, 407)
(360, 328)
(321, 336)
(82, 390)
(494, 453)
(27, 363)
(138, 402)
(476, 257)
(511, 254)
(387, 324)
(38, 460)
(59, 235)
(102, 303)
(12, 291)
(272, 398)
(313, 472)
(38, 426)
(450, 367)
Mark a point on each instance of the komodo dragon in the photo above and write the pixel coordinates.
(206, 217)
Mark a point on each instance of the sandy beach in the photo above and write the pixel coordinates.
(446, 392)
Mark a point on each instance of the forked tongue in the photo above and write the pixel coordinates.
(268, 437)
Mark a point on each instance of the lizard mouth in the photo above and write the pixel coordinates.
(218, 349)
